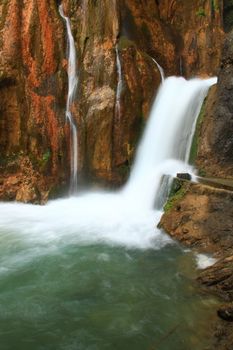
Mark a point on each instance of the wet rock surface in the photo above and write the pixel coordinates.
(201, 217)
(215, 150)
(197, 30)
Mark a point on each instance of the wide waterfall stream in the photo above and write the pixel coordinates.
(93, 272)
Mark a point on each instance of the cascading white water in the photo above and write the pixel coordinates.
(168, 136)
(161, 71)
(126, 218)
(119, 83)
(72, 85)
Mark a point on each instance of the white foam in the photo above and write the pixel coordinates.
(89, 219)
(203, 261)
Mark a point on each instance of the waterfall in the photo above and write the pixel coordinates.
(126, 218)
(119, 82)
(72, 84)
(161, 71)
(166, 143)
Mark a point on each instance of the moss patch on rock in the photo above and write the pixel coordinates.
(124, 43)
(177, 192)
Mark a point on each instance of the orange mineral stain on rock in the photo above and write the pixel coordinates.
(49, 60)
(33, 78)
(34, 88)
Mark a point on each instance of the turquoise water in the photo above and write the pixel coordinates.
(94, 273)
(99, 296)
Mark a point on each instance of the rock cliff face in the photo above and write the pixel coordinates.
(183, 36)
(32, 82)
(196, 28)
(215, 153)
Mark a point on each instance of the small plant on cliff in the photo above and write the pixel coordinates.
(46, 156)
(215, 5)
(44, 160)
(201, 12)
(202, 172)
(124, 43)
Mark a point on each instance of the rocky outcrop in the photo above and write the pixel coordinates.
(200, 217)
(215, 151)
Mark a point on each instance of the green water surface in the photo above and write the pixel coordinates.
(98, 297)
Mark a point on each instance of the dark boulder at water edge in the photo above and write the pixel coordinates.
(226, 312)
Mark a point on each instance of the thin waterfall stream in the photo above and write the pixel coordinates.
(119, 83)
(161, 71)
(94, 271)
(72, 85)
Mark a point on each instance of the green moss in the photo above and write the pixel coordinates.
(195, 142)
(202, 172)
(177, 192)
(124, 43)
(42, 162)
(214, 5)
(201, 12)
(46, 156)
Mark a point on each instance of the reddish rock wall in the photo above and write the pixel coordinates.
(32, 99)
(198, 34)
(183, 36)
